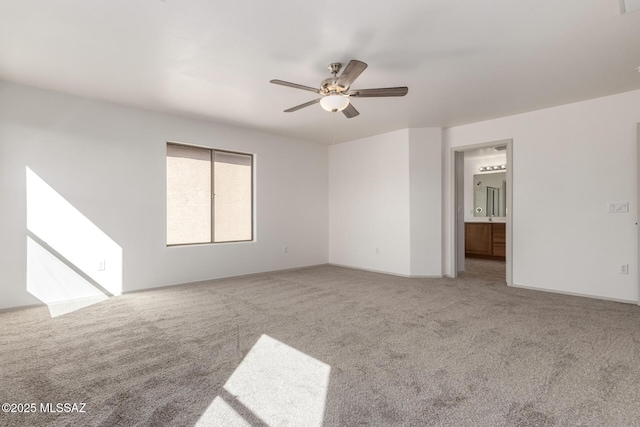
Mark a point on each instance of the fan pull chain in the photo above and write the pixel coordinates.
(333, 119)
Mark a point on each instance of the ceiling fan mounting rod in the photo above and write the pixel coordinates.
(334, 68)
(330, 86)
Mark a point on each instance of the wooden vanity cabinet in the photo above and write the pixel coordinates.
(499, 239)
(485, 240)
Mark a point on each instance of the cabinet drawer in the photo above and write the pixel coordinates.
(499, 249)
(499, 233)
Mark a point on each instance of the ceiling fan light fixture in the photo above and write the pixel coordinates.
(334, 103)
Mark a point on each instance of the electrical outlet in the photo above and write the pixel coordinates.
(618, 207)
(285, 249)
(624, 269)
(102, 265)
(377, 251)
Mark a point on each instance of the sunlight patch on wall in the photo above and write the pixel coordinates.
(56, 284)
(67, 254)
(277, 384)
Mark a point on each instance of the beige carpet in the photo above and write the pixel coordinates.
(485, 269)
(327, 345)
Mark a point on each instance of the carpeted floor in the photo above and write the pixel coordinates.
(397, 351)
(485, 269)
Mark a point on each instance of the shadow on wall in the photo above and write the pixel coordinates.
(71, 263)
(275, 385)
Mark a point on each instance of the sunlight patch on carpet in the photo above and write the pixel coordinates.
(219, 413)
(278, 384)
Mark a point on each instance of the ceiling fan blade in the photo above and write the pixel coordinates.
(383, 91)
(353, 69)
(350, 111)
(294, 85)
(306, 104)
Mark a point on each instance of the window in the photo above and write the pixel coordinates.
(209, 195)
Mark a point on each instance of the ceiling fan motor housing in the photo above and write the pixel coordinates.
(330, 86)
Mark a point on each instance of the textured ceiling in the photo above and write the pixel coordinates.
(462, 61)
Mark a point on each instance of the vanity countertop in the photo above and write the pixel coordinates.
(482, 219)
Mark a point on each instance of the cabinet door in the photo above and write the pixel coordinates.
(477, 238)
(499, 239)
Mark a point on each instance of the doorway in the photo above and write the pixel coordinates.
(482, 174)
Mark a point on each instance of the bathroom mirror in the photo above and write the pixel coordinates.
(490, 194)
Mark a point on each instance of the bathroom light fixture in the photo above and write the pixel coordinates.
(492, 168)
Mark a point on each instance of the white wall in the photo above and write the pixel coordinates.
(385, 203)
(369, 209)
(425, 182)
(568, 162)
(108, 162)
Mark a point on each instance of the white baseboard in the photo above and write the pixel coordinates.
(409, 276)
(575, 294)
(222, 278)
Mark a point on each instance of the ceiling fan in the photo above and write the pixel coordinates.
(335, 90)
